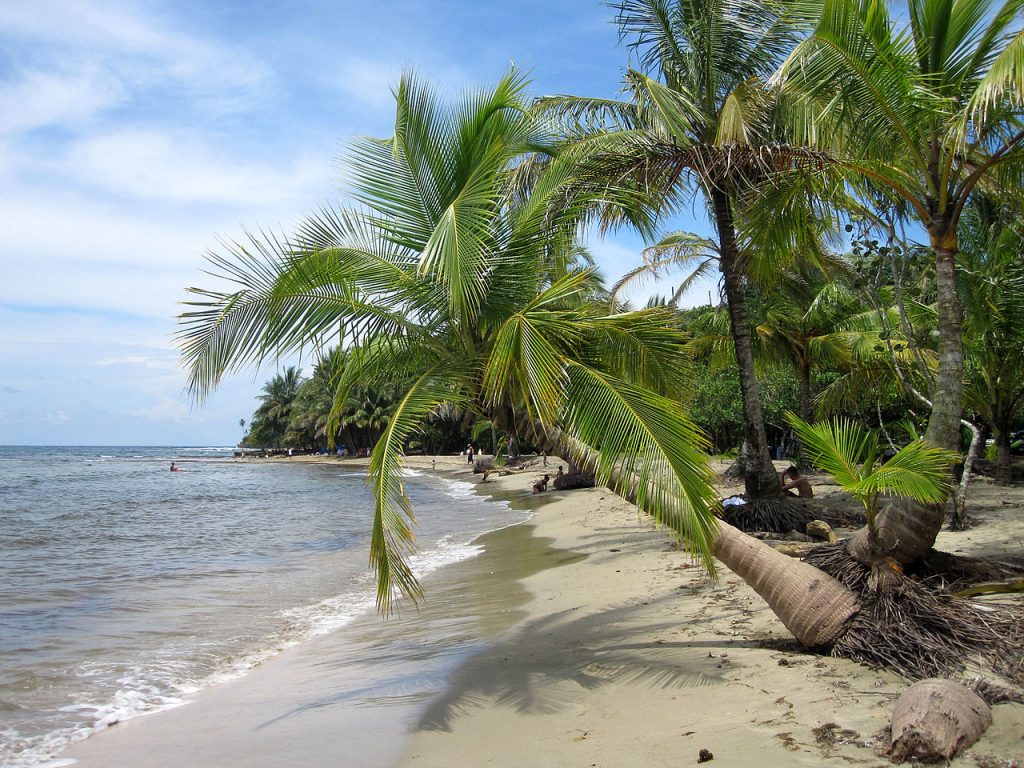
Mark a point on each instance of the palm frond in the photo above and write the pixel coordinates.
(648, 450)
(392, 537)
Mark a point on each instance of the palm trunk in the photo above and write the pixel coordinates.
(815, 607)
(947, 399)
(907, 530)
(1004, 457)
(759, 479)
(812, 605)
(803, 395)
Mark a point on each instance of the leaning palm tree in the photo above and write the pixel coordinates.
(463, 291)
(700, 120)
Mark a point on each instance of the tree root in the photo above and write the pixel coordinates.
(774, 515)
(919, 631)
(786, 513)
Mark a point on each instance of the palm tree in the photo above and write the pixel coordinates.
(457, 286)
(850, 454)
(699, 120)
(992, 290)
(275, 409)
(452, 280)
(924, 113)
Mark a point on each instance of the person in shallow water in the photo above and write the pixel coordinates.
(541, 485)
(791, 478)
(175, 468)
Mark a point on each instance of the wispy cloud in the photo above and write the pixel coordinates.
(57, 97)
(149, 164)
(108, 50)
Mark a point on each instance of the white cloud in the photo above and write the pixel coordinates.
(142, 361)
(116, 30)
(157, 165)
(47, 98)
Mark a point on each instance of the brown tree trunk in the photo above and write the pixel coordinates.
(815, 607)
(803, 394)
(947, 399)
(803, 390)
(906, 531)
(1004, 458)
(812, 605)
(759, 479)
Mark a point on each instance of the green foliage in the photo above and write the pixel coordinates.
(851, 455)
(462, 289)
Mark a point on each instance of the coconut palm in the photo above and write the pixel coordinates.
(699, 120)
(453, 282)
(271, 418)
(924, 112)
(992, 291)
(850, 454)
(458, 288)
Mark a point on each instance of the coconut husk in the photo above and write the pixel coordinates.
(935, 720)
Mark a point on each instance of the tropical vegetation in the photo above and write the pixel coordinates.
(456, 297)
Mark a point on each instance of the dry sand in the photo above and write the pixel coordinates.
(631, 656)
(623, 655)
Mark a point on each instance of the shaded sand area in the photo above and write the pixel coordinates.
(584, 638)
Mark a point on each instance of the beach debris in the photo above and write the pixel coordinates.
(935, 719)
(704, 756)
(574, 479)
(819, 530)
(992, 588)
(911, 628)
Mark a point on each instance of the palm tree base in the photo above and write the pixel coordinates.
(919, 631)
(771, 515)
(786, 513)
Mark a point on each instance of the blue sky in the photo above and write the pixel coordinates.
(134, 135)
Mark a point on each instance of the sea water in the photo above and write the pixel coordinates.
(125, 587)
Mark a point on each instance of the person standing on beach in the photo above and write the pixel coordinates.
(469, 453)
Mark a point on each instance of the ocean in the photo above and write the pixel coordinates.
(127, 588)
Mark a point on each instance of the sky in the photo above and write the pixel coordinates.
(136, 136)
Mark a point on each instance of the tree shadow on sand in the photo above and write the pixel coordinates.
(531, 671)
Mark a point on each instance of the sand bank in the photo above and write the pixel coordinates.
(581, 639)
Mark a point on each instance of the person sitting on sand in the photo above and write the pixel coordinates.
(541, 485)
(560, 472)
(803, 488)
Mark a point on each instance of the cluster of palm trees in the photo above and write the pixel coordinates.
(303, 413)
(458, 282)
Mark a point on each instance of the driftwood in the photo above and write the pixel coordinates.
(819, 530)
(793, 548)
(573, 480)
(935, 719)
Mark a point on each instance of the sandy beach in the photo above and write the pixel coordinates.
(596, 643)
